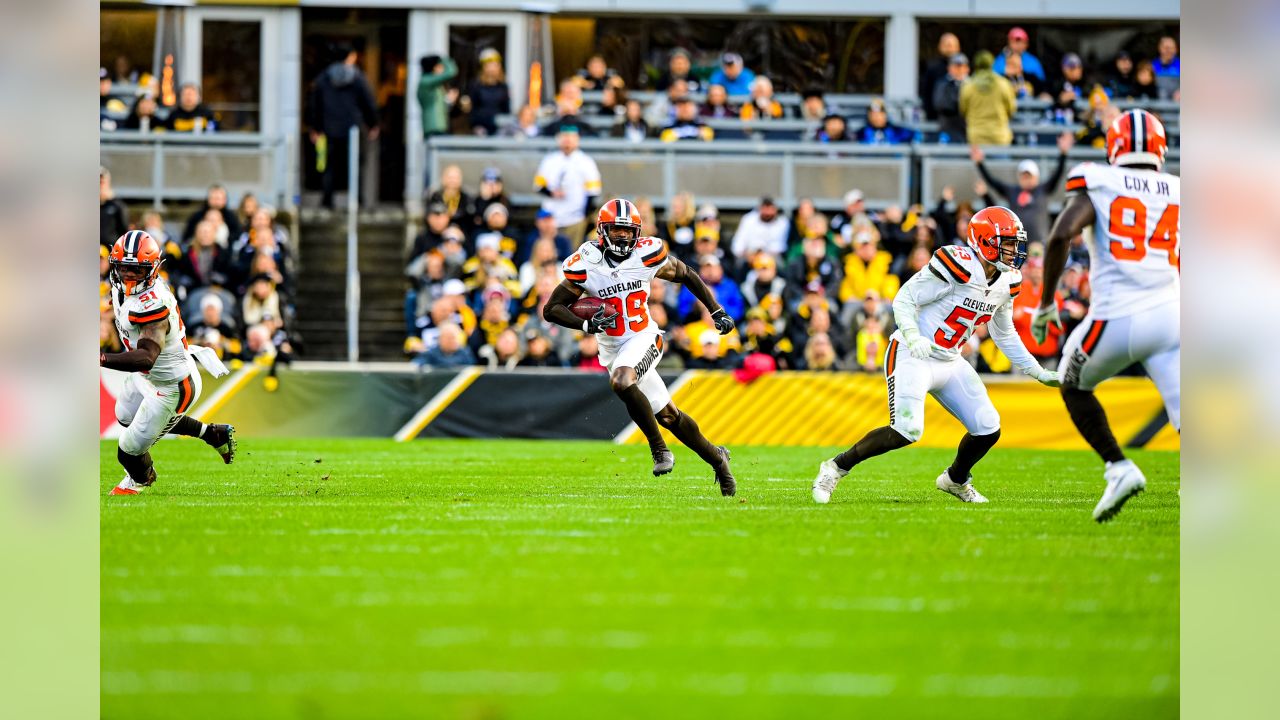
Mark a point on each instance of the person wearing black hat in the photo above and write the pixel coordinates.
(946, 99)
(834, 129)
(492, 191)
(1120, 83)
(813, 107)
(433, 234)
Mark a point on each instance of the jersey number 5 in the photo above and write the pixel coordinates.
(634, 311)
(956, 321)
(1129, 221)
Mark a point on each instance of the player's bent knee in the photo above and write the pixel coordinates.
(622, 379)
(912, 431)
(668, 416)
(124, 415)
(133, 443)
(988, 421)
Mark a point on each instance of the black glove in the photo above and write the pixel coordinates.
(600, 320)
(723, 322)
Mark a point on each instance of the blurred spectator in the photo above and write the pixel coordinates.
(214, 329)
(632, 125)
(708, 237)
(247, 207)
(662, 111)
(717, 104)
(917, 259)
(800, 222)
(987, 102)
(1120, 81)
(190, 114)
(687, 125)
(449, 308)
(814, 271)
(1068, 89)
(492, 191)
(340, 100)
(539, 351)
(587, 356)
(813, 107)
(1018, 44)
(648, 218)
(496, 217)
(935, 70)
(568, 104)
(761, 334)
(108, 335)
(488, 264)
(110, 107)
(613, 102)
(143, 116)
(525, 125)
(495, 318)
(262, 238)
(856, 314)
(1096, 123)
(1144, 85)
(596, 75)
(833, 130)
(459, 203)
(762, 281)
(878, 130)
(1029, 199)
(733, 75)
(153, 224)
(1168, 68)
(1024, 306)
(945, 98)
(113, 216)
(222, 231)
(488, 96)
(762, 105)
(542, 255)
(432, 236)
(122, 71)
(724, 289)
(855, 210)
(710, 358)
(870, 344)
(450, 350)
(427, 277)
(678, 68)
(689, 340)
(764, 229)
(817, 226)
(570, 181)
(432, 97)
(1025, 87)
(504, 354)
(204, 263)
(819, 353)
(544, 225)
(895, 234)
(677, 226)
(261, 304)
(867, 268)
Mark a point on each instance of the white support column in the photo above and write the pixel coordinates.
(900, 54)
(420, 43)
(291, 82)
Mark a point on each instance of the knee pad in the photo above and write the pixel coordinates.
(133, 443)
(123, 416)
(912, 428)
(988, 420)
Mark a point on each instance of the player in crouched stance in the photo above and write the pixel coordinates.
(164, 381)
(936, 311)
(619, 267)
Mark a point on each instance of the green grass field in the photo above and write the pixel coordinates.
(476, 579)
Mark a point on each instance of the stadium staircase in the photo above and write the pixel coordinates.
(322, 284)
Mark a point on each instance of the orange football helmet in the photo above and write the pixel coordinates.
(1137, 138)
(135, 262)
(618, 227)
(996, 234)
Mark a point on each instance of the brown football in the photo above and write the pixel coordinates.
(586, 306)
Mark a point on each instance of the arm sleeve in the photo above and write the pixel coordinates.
(923, 288)
(1010, 343)
(540, 177)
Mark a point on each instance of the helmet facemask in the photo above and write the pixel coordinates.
(619, 239)
(133, 277)
(1011, 251)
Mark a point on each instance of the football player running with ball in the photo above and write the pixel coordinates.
(163, 381)
(936, 312)
(618, 268)
(1133, 209)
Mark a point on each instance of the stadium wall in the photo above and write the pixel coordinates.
(323, 400)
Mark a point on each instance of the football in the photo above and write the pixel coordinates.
(586, 306)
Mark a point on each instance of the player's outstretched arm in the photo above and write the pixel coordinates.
(1006, 337)
(677, 271)
(557, 308)
(144, 357)
(1075, 217)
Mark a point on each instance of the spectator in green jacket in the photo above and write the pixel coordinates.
(434, 100)
(987, 102)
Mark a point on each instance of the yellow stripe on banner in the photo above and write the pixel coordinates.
(1166, 439)
(225, 392)
(437, 404)
(811, 408)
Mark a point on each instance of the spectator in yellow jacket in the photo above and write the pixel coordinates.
(867, 267)
(987, 102)
(762, 106)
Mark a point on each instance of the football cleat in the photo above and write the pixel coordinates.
(127, 487)
(663, 461)
(223, 439)
(966, 492)
(724, 475)
(829, 475)
(1124, 480)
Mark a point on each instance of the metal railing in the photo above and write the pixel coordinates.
(159, 166)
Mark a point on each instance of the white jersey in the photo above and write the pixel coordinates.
(625, 287)
(951, 296)
(154, 305)
(577, 176)
(1134, 248)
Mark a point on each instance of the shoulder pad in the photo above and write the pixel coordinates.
(148, 307)
(951, 263)
(590, 252)
(1014, 279)
(1078, 178)
(653, 252)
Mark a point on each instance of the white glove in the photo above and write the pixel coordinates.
(919, 347)
(1040, 320)
(1049, 378)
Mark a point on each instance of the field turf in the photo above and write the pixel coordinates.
(487, 580)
